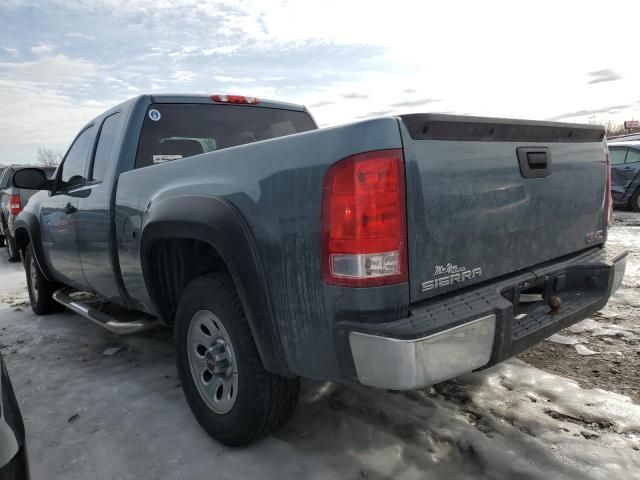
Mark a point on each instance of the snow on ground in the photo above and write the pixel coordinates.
(122, 416)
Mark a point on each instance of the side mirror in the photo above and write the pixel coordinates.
(31, 179)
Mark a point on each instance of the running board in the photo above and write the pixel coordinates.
(64, 297)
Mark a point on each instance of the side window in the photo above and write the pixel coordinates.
(106, 146)
(633, 156)
(617, 155)
(75, 162)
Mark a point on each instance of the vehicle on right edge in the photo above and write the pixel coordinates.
(393, 252)
(625, 174)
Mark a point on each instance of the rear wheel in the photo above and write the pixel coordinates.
(40, 289)
(10, 243)
(635, 201)
(229, 391)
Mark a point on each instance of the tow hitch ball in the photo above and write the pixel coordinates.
(554, 303)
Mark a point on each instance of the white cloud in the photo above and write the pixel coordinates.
(42, 48)
(14, 52)
(227, 79)
(184, 76)
(48, 70)
(32, 114)
(83, 36)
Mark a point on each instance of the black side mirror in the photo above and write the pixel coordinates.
(31, 179)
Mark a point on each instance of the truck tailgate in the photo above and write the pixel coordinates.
(487, 197)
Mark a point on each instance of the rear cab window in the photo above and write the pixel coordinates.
(105, 150)
(172, 131)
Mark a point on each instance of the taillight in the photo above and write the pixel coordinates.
(608, 200)
(364, 240)
(14, 204)
(235, 99)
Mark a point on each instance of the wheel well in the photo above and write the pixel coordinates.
(176, 262)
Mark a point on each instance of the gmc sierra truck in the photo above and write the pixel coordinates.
(393, 252)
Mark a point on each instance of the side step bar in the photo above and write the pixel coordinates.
(140, 322)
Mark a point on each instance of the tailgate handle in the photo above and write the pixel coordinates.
(534, 162)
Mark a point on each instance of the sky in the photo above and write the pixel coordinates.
(62, 62)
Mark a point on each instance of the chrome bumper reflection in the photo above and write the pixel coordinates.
(409, 364)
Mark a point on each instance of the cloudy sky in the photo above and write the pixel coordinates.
(63, 62)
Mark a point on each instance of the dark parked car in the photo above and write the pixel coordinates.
(625, 174)
(13, 453)
(12, 201)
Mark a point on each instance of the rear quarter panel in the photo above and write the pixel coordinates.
(277, 187)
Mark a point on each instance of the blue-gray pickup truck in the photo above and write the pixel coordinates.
(393, 252)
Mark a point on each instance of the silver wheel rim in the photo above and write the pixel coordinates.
(212, 362)
(33, 275)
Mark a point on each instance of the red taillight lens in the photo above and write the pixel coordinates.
(235, 99)
(608, 200)
(364, 240)
(14, 204)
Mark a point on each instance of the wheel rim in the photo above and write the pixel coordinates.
(33, 277)
(212, 362)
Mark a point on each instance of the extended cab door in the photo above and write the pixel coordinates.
(58, 215)
(94, 208)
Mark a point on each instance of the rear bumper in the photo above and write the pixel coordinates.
(481, 326)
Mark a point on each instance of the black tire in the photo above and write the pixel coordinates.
(10, 243)
(635, 201)
(40, 289)
(264, 401)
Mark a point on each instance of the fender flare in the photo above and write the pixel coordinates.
(28, 222)
(218, 223)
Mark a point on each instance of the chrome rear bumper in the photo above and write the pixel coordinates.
(456, 334)
(409, 364)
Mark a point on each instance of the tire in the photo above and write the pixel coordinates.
(232, 396)
(10, 243)
(635, 201)
(40, 289)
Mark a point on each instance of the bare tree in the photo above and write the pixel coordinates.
(48, 156)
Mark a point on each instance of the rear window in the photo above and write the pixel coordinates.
(175, 131)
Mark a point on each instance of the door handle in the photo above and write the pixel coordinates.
(69, 209)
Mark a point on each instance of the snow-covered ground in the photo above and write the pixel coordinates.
(122, 416)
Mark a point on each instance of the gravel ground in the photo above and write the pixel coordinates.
(123, 416)
(613, 333)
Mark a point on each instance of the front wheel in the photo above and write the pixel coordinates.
(40, 289)
(232, 396)
(635, 201)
